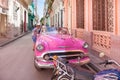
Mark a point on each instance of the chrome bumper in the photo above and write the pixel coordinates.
(43, 65)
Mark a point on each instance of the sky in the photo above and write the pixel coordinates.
(40, 7)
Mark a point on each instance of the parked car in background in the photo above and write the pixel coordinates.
(61, 43)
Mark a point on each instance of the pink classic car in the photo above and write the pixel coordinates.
(52, 42)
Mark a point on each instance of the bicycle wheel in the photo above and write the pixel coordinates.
(65, 77)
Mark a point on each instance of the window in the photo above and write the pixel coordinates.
(103, 15)
(14, 11)
(80, 13)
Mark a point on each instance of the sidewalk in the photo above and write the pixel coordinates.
(95, 60)
(5, 41)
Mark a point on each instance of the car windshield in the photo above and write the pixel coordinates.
(53, 30)
(50, 30)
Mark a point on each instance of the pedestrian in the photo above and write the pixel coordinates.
(35, 32)
(43, 28)
(53, 28)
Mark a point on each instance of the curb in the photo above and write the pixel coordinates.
(95, 68)
(95, 60)
(11, 40)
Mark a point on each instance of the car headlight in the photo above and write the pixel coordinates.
(85, 45)
(40, 47)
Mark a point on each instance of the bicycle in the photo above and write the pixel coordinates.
(66, 71)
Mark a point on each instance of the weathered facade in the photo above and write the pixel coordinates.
(36, 19)
(31, 16)
(56, 15)
(17, 17)
(96, 21)
(47, 12)
(53, 12)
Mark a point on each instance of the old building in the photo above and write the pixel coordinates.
(47, 12)
(57, 13)
(53, 12)
(33, 17)
(36, 19)
(96, 21)
(17, 17)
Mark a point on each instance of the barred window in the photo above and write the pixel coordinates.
(14, 11)
(103, 15)
(80, 13)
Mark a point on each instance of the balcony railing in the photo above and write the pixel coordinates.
(102, 41)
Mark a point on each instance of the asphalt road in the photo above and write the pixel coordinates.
(16, 62)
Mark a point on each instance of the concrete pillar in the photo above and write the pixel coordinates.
(86, 15)
(65, 13)
(117, 3)
(74, 16)
(90, 19)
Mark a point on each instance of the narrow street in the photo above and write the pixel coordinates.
(81, 31)
(16, 62)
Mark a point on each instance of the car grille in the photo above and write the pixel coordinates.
(66, 55)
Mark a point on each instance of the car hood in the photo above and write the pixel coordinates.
(60, 42)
